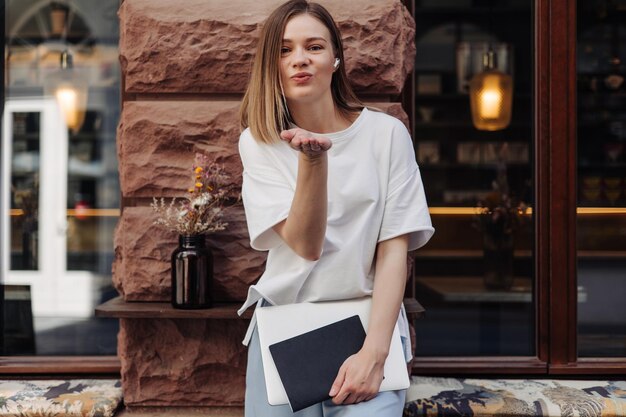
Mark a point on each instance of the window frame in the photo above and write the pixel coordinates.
(555, 169)
(555, 226)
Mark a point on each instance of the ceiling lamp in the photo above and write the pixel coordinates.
(69, 88)
(491, 96)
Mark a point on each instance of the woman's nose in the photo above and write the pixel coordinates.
(299, 56)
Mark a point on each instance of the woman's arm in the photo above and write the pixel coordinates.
(360, 375)
(305, 226)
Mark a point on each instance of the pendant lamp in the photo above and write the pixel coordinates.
(491, 96)
(69, 87)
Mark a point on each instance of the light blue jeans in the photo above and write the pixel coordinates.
(385, 404)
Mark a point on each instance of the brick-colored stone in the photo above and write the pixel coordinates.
(181, 411)
(142, 270)
(182, 362)
(209, 45)
(157, 141)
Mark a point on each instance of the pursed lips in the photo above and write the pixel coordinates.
(302, 77)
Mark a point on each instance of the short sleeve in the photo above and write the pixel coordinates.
(406, 210)
(265, 192)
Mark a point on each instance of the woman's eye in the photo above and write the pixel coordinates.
(284, 50)
(316, 48)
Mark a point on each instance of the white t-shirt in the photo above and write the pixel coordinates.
(375, 193)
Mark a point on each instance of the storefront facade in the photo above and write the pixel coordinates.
(541, 296)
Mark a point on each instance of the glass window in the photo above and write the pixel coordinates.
(601, 144)
(474, 145)
(60, 198)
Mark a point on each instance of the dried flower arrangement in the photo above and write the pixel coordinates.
(500, 213)
(201, 210)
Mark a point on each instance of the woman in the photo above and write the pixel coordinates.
(332, 191)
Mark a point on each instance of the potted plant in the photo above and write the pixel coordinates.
(194, 216)
(498, 217)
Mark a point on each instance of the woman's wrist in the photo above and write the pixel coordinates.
(377, 350)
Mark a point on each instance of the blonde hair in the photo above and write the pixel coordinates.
(264, 109)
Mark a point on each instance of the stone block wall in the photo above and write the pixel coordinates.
(185, 66)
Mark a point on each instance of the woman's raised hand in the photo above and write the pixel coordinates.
(306, 142)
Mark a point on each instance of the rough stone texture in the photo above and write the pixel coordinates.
(142, 257)
(182, 362)
(209, 45)
(157, 141)
(181, 411)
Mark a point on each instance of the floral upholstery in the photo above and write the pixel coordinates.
(443, 397)
(427, 396)
(77, 397)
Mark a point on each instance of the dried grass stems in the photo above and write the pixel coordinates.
(202, 209)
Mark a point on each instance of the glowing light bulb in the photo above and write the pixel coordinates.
(490, 102)
(491, 95)
(68, 101)
(69, 86)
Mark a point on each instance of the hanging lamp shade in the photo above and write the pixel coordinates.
(58, 19)
(491, 96)
(69, 87)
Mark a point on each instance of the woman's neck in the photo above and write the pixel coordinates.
(319, 118)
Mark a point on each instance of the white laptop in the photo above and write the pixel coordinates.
(277, 323)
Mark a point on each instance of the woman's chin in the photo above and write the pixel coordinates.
(303, 97)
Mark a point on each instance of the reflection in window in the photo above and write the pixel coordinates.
(62, 97)
(601, 222)
(475, 277)
(24, 247)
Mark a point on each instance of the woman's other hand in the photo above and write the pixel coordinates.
(306, 142)
(359, 378)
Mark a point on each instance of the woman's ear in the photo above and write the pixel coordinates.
(337, 62)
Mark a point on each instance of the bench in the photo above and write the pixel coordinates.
(427, 396)
(76, 397)
(442, 397)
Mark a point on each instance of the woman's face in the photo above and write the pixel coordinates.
(306, 61)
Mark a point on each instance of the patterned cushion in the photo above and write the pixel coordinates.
(443, 397)
(77, 397)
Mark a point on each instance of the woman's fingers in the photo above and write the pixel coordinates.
(294, 136)
(358, 380)
(323, 143)
(341, 390)
(313, 147)
(370, 397)
(342, 398)
(341, 376)
(288, 135)
(304, 141)
(326, 144)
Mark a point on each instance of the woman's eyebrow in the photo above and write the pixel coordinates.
(315, 38)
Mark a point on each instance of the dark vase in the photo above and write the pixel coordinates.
(192, 274)
(498, 257)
